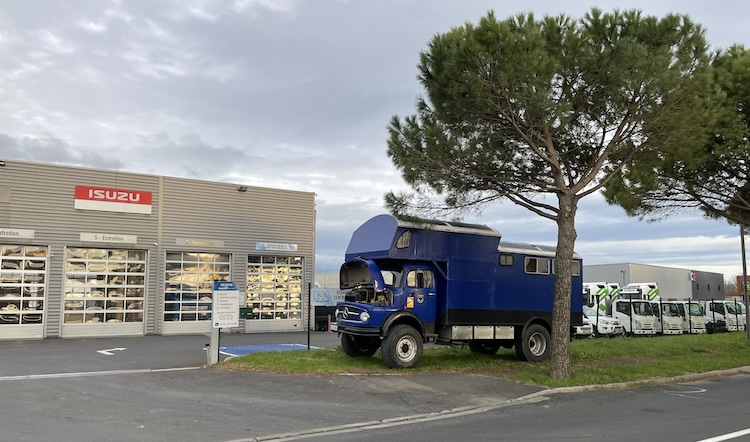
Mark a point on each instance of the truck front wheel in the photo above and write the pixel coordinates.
(534, 345)
(402, 347)
(359, 346)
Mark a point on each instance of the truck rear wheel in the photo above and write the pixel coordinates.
(484, 347)
(359, 346)
(534, 345)
(402, 347)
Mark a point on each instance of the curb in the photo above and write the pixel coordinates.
(643, 382)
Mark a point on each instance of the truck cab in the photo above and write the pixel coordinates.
(693, 321)
(721, 310)
(668, 319)
(635, 315)
(596, 295)
(648, 291)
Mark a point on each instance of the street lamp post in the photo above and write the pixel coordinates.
(744, 282)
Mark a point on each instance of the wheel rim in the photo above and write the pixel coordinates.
(537, 344)
(406, 348)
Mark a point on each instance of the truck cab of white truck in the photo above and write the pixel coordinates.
(722, 310)
(596, 295)
(693, 321)
(635, 315)
(669, 320)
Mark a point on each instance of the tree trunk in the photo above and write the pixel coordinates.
(566, 237)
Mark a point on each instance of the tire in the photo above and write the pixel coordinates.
(534, 345)
(484, 347)
(358, 346)
(402, 347)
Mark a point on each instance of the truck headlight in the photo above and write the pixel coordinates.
(638, 324)
(364, 316)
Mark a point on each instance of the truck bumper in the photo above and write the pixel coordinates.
(672, 332)
(639, 331)
(357, 331)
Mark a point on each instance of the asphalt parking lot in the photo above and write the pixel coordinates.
(159, 388)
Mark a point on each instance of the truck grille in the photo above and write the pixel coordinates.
(349, 313)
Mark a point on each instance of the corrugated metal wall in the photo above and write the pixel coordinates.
(40, 197)
(219, 213)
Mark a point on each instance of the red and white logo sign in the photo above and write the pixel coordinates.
(113, 200)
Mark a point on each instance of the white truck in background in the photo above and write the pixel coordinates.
(614, 290)
(693, 321)
(635, 315)
(596, 295)
(599, 295)
(669, 320)
(728, 311)
(648, 291)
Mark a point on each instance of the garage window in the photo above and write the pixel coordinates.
(189, 284)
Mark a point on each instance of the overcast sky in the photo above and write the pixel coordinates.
(289, 94)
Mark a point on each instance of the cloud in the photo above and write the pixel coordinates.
(288, 94)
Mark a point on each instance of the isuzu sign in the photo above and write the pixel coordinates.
(113, 200)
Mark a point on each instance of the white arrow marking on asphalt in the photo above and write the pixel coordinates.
(109, 351)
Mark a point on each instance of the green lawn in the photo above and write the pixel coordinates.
(595, 361)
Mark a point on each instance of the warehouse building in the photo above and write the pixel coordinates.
(673, 282)
(90, 253)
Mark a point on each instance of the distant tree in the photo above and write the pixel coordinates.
(730, 287)
(546, 112)
(714, 178)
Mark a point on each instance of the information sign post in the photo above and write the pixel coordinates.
(225, 313)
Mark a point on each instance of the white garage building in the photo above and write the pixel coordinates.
(89, 253)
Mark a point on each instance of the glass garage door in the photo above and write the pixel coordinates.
(104, 292)
(188, 289)
(23, 276)
(274, 293)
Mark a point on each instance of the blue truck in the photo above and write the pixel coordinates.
(424, 281)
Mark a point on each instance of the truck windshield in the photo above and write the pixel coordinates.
(695, 310)
(642, 308)
(732, 309)
(392, 276)
(670, 310)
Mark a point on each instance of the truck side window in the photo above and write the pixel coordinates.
(718, 308)
(538, 266)
(404, 240)
(419, 279)
(575, 267)
(623, 307)
(506, 260)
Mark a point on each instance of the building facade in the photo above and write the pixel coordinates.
(673, 282)
(89, 253)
